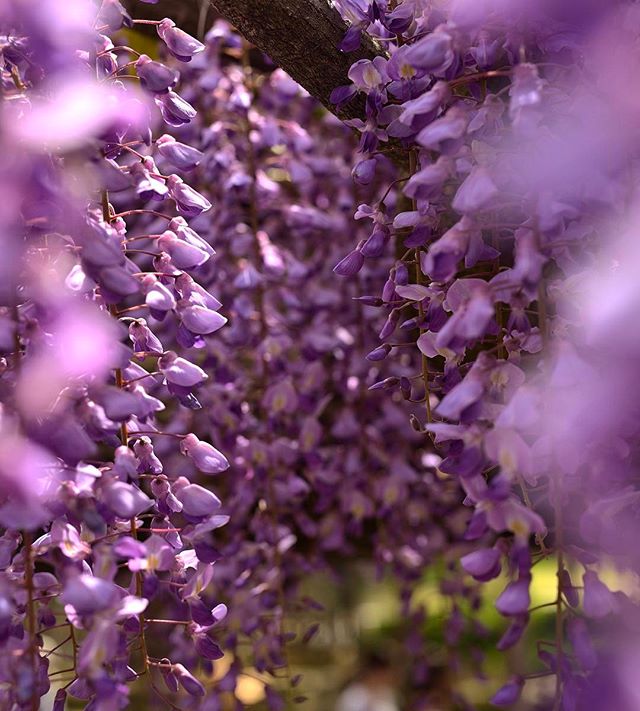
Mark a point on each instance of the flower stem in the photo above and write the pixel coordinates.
(559, 608)
(124, 438)
(413, 164)
(31, 617)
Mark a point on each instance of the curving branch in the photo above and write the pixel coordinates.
(300, 36)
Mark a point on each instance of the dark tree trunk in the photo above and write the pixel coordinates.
(301, 36)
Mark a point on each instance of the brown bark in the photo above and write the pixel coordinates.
(300, 36)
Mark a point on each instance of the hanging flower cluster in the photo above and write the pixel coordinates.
(98, 535)
(215, 382)
(515, 181)
(108, 371)
(318, 475)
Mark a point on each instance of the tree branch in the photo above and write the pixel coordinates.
(300, 36)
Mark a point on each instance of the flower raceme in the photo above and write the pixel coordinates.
(465, 368)
(204, 455)
(97, 489)
(493, 240)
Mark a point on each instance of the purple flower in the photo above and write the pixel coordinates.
(182, 45)
(441, 259)
(509, 514)
(418, 112)
(464, 395)
(148, 186)
(194, 293)
(509, 693)
(507, 448)
(131, 606)
(128, 547)
(183, 254)
(342, 94)
(375, 243)
(427, 183)
(156, 554)
(169, 678)
(88, 594)
(119, 405)
(281, 397)
(483, 564)
(188, 682)
(514, 599)
(352, 39)
(414, 292)
(155, 76)
(117, 283)
(101, 245)
(180, 371)
(174, 109)
(578, 634)
(598, 600)
(143, 339)
(529, 261)
(514, 632)
(379, 353)
(399, 19)
(181, 228)
(147, 404)
(286, 397)
(364, 172)
(433, 53)
(206, 647)
(189, 202)
(68, 540)
(525, 92)
(350, 265)
(199, 319)
(125, 500)
(99, 646)
(204, 455)
(310, 434)
(445, 134)
(113, 14)
(23, 466)
(367, 75)
(389, 325)
(476, 192)
(111, 176)
(197, 501)
(59, 700)
(148, 461)
(184, 157)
